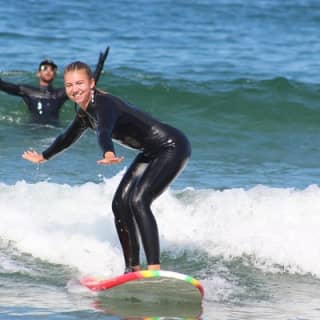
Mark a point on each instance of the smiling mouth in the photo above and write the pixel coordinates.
(77, 95)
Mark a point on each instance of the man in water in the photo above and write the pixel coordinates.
(45, 102)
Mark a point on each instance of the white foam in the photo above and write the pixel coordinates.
(73, 225)
(276, 226)
(62, 224)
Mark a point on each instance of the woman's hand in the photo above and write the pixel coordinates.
(110, 158)
(33, 156)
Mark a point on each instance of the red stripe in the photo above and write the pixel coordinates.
(97, 285)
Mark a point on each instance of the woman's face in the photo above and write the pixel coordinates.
(78, 87)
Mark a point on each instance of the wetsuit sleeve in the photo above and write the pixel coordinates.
(67, 138)
(11, 88)
(107, 118)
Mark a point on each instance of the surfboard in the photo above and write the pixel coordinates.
(149, 286)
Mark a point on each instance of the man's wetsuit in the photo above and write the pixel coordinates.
(44, 103)
(164, 151)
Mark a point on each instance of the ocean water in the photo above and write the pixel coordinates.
(240, 78)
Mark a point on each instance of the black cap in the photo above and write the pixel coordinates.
(47, 63)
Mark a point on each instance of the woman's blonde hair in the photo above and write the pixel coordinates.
(78, 65)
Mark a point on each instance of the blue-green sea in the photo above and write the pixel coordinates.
(241, 80)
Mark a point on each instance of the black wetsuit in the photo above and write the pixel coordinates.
(164, 151)
(44, 103)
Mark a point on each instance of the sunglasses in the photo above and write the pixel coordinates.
(46, 67)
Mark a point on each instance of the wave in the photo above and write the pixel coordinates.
(275, 228)
(248, 101)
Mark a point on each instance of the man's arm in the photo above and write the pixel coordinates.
(10, 88)
(100, 64)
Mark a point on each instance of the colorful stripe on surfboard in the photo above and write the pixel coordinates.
(96, 284)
